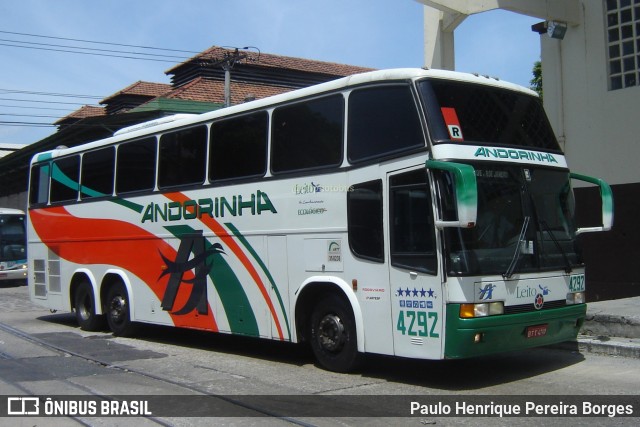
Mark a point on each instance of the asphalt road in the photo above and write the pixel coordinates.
(245, 381)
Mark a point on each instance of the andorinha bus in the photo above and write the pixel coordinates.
(417, 213)
(13, 246)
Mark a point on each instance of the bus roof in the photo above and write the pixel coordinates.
(182, 120)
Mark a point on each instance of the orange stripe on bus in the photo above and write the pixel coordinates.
(118, 243)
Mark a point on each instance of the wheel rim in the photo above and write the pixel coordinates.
(117, 308)
(331, 336)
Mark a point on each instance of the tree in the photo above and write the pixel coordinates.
(536, 81)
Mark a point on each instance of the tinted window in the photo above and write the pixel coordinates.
(308, 135)
(136, 167)
(98, 168)
(382, 121)
(413, 243)
(64, 179)
(364, 211)
(183, 157)
(39, 191)
(463, 112)
(239, 147)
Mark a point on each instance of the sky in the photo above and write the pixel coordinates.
(369, 33)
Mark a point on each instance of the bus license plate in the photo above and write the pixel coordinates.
(536, 331)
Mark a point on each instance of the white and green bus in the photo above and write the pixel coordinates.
(416, 213)
(13, 246)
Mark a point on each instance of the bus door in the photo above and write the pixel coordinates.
(416, 285)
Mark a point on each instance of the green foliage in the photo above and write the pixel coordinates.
(536, 81)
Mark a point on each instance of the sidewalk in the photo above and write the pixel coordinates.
(611, 328)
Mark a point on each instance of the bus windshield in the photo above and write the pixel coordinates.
(469, 113)
(525, 223)
(12, 238)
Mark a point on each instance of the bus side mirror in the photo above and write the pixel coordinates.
(465, 193)
(606, 196)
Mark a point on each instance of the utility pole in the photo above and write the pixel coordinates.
(230, 59)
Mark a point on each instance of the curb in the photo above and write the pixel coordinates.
(603, 345)
(601, 324)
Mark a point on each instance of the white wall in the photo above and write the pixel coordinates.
(600, 128)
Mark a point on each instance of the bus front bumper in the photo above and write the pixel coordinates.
(13, 271)
(508, 332)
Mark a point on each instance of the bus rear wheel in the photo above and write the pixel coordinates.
(118, 310)
(85, 306)
(333, 335)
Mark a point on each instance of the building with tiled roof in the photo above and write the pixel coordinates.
(134, 95)
(259, 68)
(81, 113)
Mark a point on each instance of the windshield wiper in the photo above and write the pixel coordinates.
(567, 263)
(516, 256)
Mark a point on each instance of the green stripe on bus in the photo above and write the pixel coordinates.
(236, 304)
(264, 268)
(59, 176)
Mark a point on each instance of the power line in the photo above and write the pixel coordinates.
(44, 102)
(86, 53)
(35, 108)
(90, 49)
(29, 115)
(26, 124)
(99, 42)
(68, 95)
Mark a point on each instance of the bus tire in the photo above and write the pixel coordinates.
(85, 306)
(333, 335)
(118, 310)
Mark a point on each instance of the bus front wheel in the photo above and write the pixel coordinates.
(85, 306)
(118, 310)
(333, 335)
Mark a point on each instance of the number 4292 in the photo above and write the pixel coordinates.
(418, 323)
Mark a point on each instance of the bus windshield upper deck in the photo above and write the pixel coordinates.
(469, 113)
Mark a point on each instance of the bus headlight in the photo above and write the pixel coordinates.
(468, 311)
(576, 298)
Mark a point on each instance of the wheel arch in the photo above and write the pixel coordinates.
(112, 277)
(315, 288)
(79, 276)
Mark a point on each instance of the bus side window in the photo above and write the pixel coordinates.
(39, 190)
(98, 168)
(364, 216)
(412, 227)
(382, 121)
(65, 177)
(136, 166)
(239, 147)
(307, 135)
(183, 156)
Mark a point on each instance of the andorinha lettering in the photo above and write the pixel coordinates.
(502, 153)
(217, 207)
